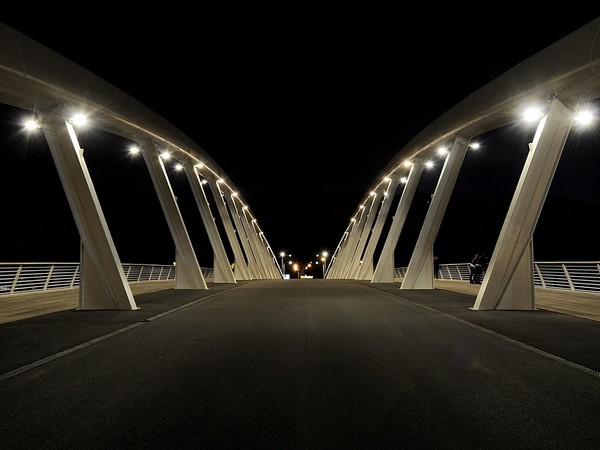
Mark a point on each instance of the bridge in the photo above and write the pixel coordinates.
(560, 81)
(248, 359)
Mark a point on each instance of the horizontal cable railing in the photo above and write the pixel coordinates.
(17, 278)
(580, 276)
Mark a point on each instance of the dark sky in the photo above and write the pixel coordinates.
(302, 108)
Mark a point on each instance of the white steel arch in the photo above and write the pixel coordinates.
(566, 73)
(37, 79)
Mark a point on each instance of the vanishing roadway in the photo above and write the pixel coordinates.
(300, 364)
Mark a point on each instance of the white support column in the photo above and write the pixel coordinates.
(240, 270)
(243, 234)
(222, 268)
(384, 270)
(352, 242)
(103, 284)
(188, 272)
(508, 282)
(365, 271)
(333, 269)
(419, 274)
(267, 255)
(270, 257)
(255, 242)
(367, 227)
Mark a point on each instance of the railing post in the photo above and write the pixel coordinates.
(75, 272)
(571, 286)
(536, 267)
(48, 277)
(128, 271)
(14, 283)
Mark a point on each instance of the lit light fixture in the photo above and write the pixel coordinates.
(474, 145)
(407, 164)
(31, 125)
(442, 151)
(429, 164)
(403, 180)
(178, 166)
(79, 120)
(585, 117)
(134, 149)
(199, 166)
(532, 114)
(165, 155)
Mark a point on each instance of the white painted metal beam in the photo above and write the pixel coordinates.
(384, 270)
(365, 271)
(508, 282)
(240, 269)
(103, 284)
(419, 274)
(222, 267)
(188, 274)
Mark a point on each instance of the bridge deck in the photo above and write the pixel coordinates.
(17, 307)
(301, 364)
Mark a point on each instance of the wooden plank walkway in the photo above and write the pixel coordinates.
(22, 306)
(579, 304)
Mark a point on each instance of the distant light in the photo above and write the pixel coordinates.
(204, 181)
(403, 180)
(429, 164)
(442, 151)
(133, 149)
(165, 155)
(474, 145)
(178, 166)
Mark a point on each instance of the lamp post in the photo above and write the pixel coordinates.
(324, 261)
(282, 255)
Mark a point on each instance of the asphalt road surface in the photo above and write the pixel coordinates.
(300, 364)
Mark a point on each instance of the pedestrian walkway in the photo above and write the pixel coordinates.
(578, 304)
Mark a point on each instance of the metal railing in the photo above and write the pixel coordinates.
(17, 278)
(580, 276)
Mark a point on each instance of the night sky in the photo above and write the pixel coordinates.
(302, 108)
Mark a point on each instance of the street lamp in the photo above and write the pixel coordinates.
(324, 261)
(282, 255)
